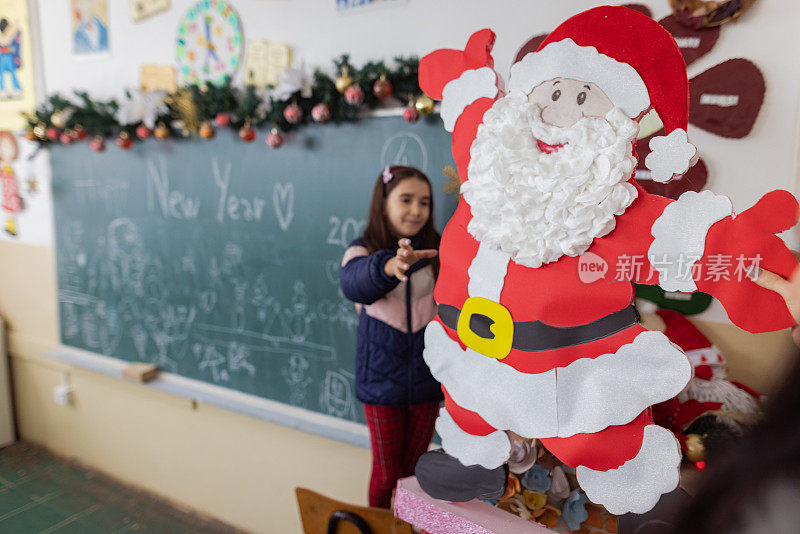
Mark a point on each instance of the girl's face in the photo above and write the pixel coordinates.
(408, 207)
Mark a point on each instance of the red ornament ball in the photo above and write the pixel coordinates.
(97, 144)
(65, 138)
(274, 139)
(321, 113)
(78, 133)
(223, 119)
(293, 114)
(52, 133)
(410, 115)
(382, 88)
(247, 133)
(354, 95)
(143, 132)
(124, 141)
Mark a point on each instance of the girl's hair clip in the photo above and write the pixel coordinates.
(387, 175)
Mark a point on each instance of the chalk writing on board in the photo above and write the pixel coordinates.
(283, 202)
(336, 394)
(230, 206)
(173, 204)
(405, 148)
(342, 232)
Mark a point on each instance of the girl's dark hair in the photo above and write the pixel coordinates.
(378, 234)
(743, 476)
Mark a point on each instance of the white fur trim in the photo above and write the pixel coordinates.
(680, 237)
(566, 59)
(490, 451)
(586, 396)
(501, 395)
(707, 356)
(463, 91)
(487, 273)
(613, 389)
(670, 155)
(636, 485)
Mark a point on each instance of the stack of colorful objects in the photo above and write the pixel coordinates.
(546, 492)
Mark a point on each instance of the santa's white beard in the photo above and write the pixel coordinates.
(538, 207)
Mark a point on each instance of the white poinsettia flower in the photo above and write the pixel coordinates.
(291, 81)
(142, 107)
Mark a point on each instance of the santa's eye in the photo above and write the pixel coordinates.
(556, 94)
(581, 98)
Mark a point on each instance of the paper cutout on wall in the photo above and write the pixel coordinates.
(144, 9)
(265, 62)
(693, 43)
(726, 99)
(158, 78)
(17, 93)
(26, 214)
(89, 28)
(531, 336)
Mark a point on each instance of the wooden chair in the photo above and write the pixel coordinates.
(323, 515)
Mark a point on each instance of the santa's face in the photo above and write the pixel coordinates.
(539, 191)
(565, 101)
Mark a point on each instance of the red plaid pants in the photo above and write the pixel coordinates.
(398, 435)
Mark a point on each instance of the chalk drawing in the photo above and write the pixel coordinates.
(336, 394)
(296, 379)
(283, 202)
(405, 148)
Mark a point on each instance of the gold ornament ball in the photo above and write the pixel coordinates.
(206, 130)
(424, 105)
(343, 82)
(161, 131)
(40, 131)
(58, 119)
(695, 450)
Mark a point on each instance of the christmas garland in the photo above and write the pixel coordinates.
(199, 109)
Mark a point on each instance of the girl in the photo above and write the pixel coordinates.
(389, 273)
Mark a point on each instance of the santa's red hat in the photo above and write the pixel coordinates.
(700, 351)
(635, 61)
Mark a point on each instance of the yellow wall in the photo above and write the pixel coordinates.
(239, 469)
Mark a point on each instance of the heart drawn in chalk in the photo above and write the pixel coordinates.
(283, 202)
(332, 271)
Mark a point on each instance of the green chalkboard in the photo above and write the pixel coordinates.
(219, 260)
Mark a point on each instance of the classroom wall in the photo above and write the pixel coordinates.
(244, 470)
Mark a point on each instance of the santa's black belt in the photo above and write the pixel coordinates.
(486, 327)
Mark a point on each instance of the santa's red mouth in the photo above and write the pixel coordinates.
(546, 148)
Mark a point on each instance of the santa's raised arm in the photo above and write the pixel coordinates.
(536, 332)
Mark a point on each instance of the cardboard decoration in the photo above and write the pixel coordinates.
(726, 99)
(693, 43)
(693, 180)
(536, 333)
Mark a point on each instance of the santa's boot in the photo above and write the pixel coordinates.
(636, 485)
(443, 477)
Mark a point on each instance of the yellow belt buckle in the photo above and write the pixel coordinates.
(502, 327)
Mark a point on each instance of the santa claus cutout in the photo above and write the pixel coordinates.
(536, 332)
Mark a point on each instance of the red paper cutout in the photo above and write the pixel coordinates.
(726, 99)
(693, 43)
